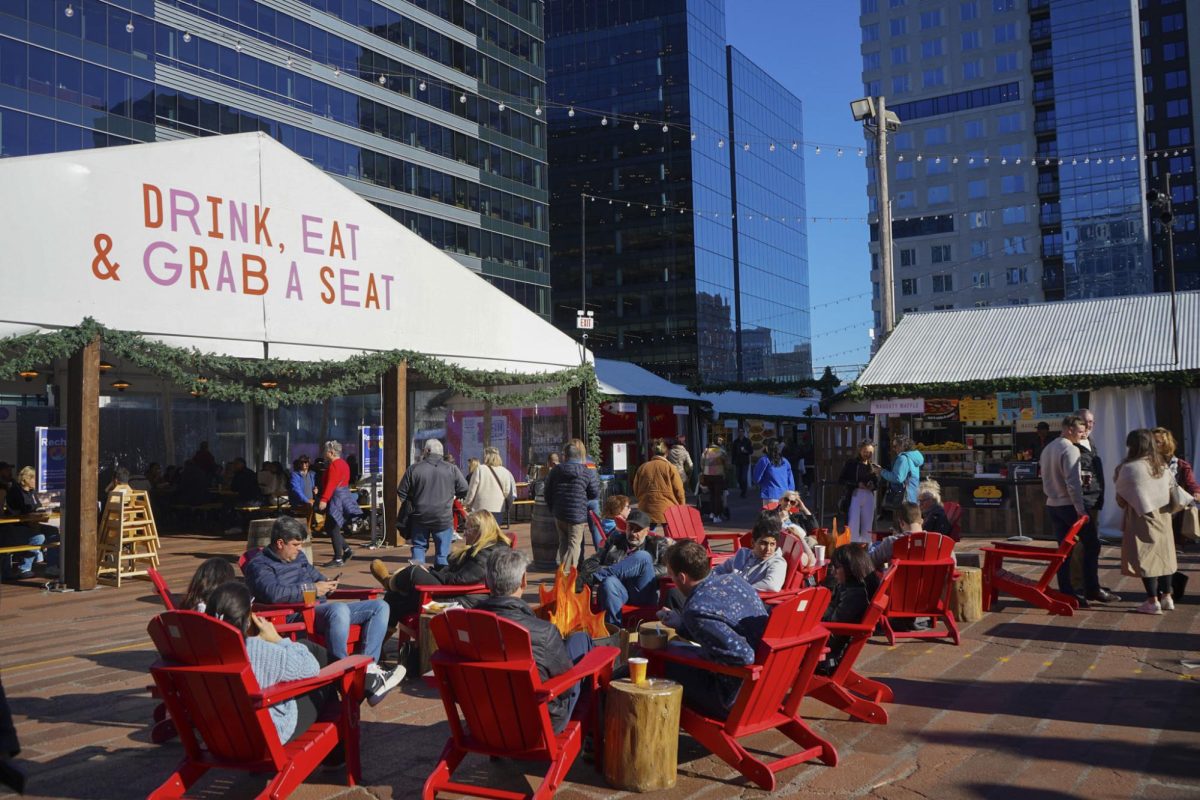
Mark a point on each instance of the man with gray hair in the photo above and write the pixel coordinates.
(429, 488)
(506, 581)
(337, 503)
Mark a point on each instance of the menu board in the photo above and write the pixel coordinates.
(977, 409)
(1013, 406)
(941, 408)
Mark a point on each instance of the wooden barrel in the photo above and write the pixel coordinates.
(259, 535)
(543, 536)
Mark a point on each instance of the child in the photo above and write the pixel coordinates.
(615, 507)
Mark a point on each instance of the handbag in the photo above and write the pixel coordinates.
(508, 498)
(1190, 524)
(844, 502)
(893, 497)
(403, 518)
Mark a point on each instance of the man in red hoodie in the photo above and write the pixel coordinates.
(337, 503)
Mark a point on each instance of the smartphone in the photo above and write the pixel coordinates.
(337, 577)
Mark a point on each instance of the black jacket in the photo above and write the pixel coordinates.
(430, 486)
(21, 501)
(465, 568)
(936, 520)
(549, 651)
(855, 472)
(849, 603)
(570, 485)
(742, 450)
(616, 548)
(1093, 486)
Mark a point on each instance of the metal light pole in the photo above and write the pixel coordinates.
(888, 289)
(1161, 202)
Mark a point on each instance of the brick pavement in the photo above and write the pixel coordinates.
(1094, 706)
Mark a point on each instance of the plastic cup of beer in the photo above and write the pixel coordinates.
(310, 594)
(637, 670)
(819, 552)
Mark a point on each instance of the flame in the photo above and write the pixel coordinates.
(569, 611)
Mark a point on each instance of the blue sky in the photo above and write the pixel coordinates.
(812, 48)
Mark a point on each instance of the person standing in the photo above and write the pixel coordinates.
(712, 464)
(657, 485)
(743, 450)
(1148, 495)
(773, 474)
(681, 459)
(491, 486)
(337, 503)
(569, 488)
(860, 477)
(429, 487)
(1062, 483)
(906, 468)
(1091, 479)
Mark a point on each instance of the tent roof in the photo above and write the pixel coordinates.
(744, 404)
(623, 379)
(229, 244)
(1105, 336)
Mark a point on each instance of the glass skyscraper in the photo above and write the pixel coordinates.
(429, 109)
(696, 246)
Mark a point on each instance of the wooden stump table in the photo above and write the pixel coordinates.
(641, 734)
(966, 598)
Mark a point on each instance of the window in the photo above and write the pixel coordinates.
(968, 11)
(972, 70)
(1013, 215)
(932, 48)
(908, 257)
(868, 6)
(871, 88)
(1178, 136)
(1016, 275)
(1011, 151)
(1174, 50)
(1018, 301)
(1148, 84)
(1011, 184)
(1006, 62)
(1172, 22)
(909, 310)
(905, 199)
(971, 41)
(937, 166)
(896, 3)
(973, 129)
(944, 307)
(937, 194)
(1004, 33)
(908, 287)
(977, 189)
(870, 61)
(1001, 6)
(1010, 123)
(939, 254)
(943, 283)
(1014, 245)
(1176, 80)
(900, 54)
(1150, 114)
(979, 248)
(900, 84)
(870, 33)
(938, 134)
(899, 26)
(905, 170)
(1180, 164)
(1178, 108)
(933, 77)
(931, 19)
(903, 141)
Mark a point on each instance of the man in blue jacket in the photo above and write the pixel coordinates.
(568, 489)
(278, 575)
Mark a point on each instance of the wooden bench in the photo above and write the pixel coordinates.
(24, 548)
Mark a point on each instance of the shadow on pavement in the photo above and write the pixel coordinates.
(1098, 637)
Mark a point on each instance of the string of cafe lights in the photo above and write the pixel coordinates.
(652, 123)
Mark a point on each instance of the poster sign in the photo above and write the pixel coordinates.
(912, 405)
(371, 448)
(1013, 406)
(680, 411)
(731, 424)
(620, 456)
(988, 495)
(977, 409)
(624, 408)
(941, 409)
(51, 458)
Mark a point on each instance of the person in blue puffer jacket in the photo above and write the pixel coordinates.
(773, 474)
(906, 469)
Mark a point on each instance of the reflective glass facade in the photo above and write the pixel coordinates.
(667, 288)
(370, 92)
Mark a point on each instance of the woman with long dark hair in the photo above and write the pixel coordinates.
(212, 573)
(1148, 494)
(859, 476)
(854, 573)
(773, 474)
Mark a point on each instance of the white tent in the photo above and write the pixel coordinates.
(237, 246)
(623, 379)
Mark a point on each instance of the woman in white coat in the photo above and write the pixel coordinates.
(491, 485)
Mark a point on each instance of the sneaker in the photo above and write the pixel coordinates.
(456, 537)
(380, 571)
(333, 562)
(380, 682)
(1167, 602)
(347, 554)
(1151, 606)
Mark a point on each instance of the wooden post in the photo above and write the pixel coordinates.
(395, 444)
(83, 456)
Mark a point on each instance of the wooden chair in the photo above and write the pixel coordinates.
(954, 515)
(685, 522)
(772, 688)
(497, 705)
(922, 586)
(845, 689)
(996, 579)
(223, 715)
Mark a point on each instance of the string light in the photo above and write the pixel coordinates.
(818, 149)
(693, 137)
(187, 38)
(129, 26)
(537, 111)
(665, 128)
(860, 152)
(771, 147)
(571, 112)
(746, 147)
(382, 80)
(462, 98)
(720, 142)
(421, 86)
(604, 121)
(839, 152)
(795, 145)
(68, 11)
(637, 126)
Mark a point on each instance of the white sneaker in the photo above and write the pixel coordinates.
(1151, 606)
(1167, 603)
(380, 682)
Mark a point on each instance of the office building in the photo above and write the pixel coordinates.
(427, 108)
(1030, 130)
(696, 247)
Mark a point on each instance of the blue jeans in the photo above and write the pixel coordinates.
(579, 644)
(16, 535)
(1061, 520)
(597, 535)
(419, 536)
(334, 621)
(630, 579)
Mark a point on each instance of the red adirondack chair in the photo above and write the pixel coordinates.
(996, 579)
(845, 689)
(685, 522)
(792, 549)
(772, 688)
(924, 579)
(160, 586)
(954, 515)
(223, 715)
(497, 705)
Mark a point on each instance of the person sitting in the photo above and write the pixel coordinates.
(628, 567)
(23, 501)
(271, 482)
(855, 587)
(208, 576)
(908, 520)
(762, 565)
(301, 486)
(243, 482)
(616, 506)
(278, 575)
(466, 566)
(933, 514)
(724, 616)
(785, 509)
(504, 575)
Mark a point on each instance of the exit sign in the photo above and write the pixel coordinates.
(585, 323)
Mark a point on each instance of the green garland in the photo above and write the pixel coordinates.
(1056, 383)
(238, 380)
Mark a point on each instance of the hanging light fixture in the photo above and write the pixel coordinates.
(105, 366)
(269, 383)
(120, 385)
(28, 374)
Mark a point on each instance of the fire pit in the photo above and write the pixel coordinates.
(571, 611)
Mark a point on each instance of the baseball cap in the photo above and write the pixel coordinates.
(638, 519)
